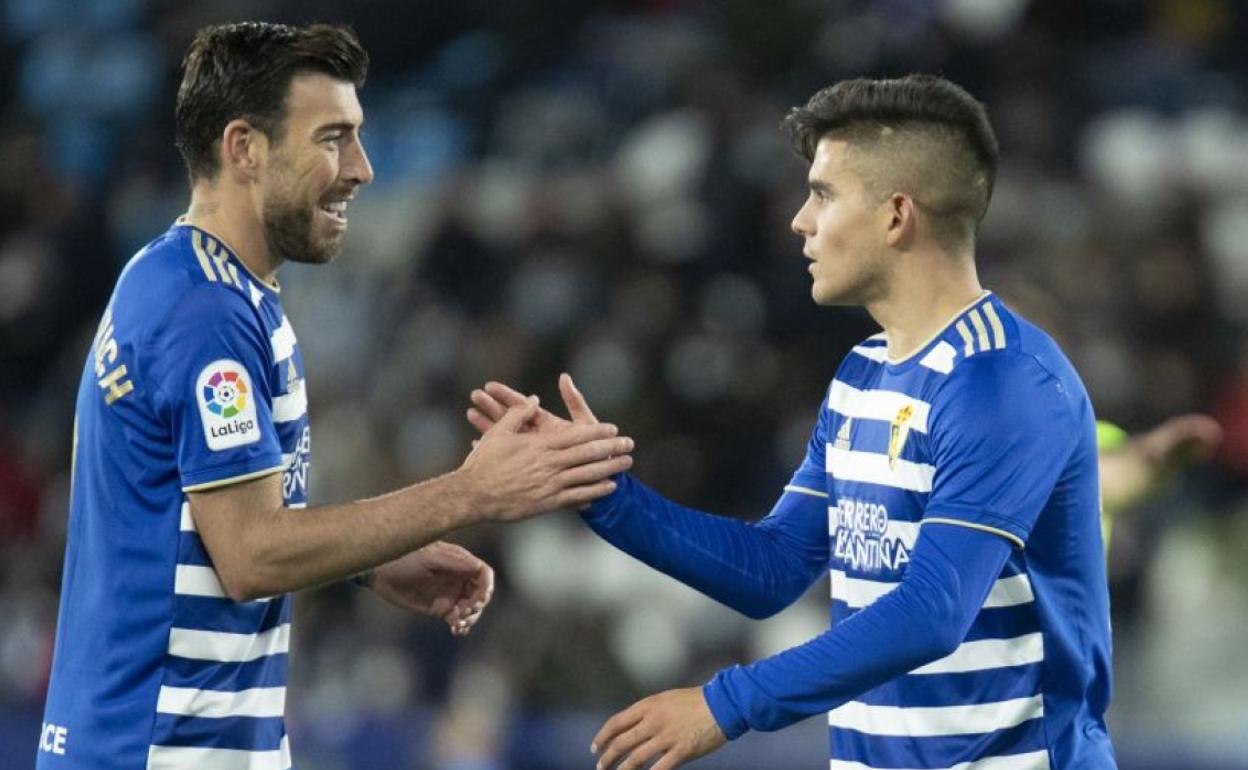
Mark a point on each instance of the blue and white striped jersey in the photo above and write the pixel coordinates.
(194, 381)
(987, 426)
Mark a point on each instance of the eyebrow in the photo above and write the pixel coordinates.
(342, 125)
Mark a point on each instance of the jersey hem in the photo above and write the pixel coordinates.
(232, 479)
(982, 520)
(804, 490)
(1014, 539)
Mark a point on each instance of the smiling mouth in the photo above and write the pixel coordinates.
(335, 210)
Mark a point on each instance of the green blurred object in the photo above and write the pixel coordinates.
(1110, 437)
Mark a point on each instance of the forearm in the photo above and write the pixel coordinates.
(750, 568)
(920, 621)
(289, 549)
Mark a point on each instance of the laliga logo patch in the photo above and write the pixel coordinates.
(898, 434)
(227, 405)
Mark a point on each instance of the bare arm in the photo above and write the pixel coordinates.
(260, 548)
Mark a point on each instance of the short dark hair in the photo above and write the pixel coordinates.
(934, 124)
(244, 71)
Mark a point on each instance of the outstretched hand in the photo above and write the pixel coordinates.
(518, 472)
(1147, 460)
(441, 580)
(492, 402)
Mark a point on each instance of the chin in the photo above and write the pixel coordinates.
(826, 296)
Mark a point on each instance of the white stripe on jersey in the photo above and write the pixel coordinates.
(283, 341)
(940, 358)
(965, 333)
(876, 405)
(936, 720)
(195, 580)
(981, 331)
(874, 468)
(291, 406)
(1032, 760)
(983, 654)
(188, 522)
(994, 320)
(224, 647)
(194, 758)
(875, 353)
(859, 593)
(256, 702)
(198, 580)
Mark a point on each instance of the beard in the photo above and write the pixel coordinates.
(288, 230)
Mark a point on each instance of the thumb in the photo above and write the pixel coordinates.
(574, 400)
(517, 416)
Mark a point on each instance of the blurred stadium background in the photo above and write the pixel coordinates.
(601, 187)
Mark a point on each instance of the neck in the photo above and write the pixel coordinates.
(926, 293)
(235, 220)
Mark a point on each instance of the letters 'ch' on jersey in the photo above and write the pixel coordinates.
(194, 381)
(987, 426)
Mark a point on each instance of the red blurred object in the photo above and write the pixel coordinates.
(20, 494)
(1231, 411)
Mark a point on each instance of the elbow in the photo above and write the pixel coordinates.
(946, 640)
(763, 607)
(245, 579)
(241, 585)
(760, 611)
(946, 630)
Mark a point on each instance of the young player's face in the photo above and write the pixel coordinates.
(842, 231)
(314, 170)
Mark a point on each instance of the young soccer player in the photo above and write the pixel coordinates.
(949, 487)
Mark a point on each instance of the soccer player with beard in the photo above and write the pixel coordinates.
(188, 521)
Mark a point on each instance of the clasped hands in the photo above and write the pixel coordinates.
(669, 728)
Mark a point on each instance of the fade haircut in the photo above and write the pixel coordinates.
(244, 71)
(921, 135)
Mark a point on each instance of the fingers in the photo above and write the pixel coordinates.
(622, 746)
(574, 400)
(581, 434)
(613, 727)
(506, 396)
(643, 754)
(579, 497)
(479, 421)
(593, 451)
(591, 473)
(489, 406)
(669, 761)
(515, 417)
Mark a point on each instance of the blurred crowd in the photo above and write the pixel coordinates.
(602, 188)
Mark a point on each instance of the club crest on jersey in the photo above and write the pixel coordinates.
(898, 434)
(227, 405)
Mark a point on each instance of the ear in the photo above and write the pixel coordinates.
(244, 150)
(901, 215)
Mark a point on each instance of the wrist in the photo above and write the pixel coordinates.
(604, 508)
(722, 707)
(474, 503)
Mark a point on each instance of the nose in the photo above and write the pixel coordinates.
(803, 223)
(355, 165)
